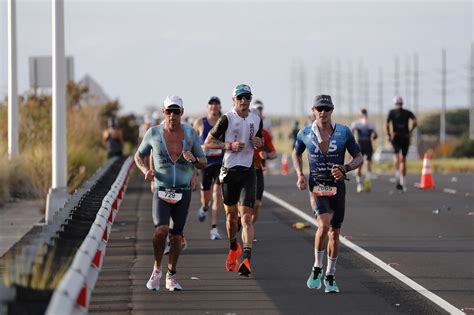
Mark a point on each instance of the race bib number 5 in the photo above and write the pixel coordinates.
(323, 190)
(170, 195)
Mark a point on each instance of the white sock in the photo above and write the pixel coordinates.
(358, 179)
(318, 258)
(397, 174)
(331, 267)
(402, 180)
(369, 174)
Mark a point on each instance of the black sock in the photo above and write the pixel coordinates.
(171, 272)
(247, 253)
(233, 244)
(205, 208)
(214, 226)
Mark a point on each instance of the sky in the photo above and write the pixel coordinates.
(141, 51)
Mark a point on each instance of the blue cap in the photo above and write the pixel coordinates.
(242, 89)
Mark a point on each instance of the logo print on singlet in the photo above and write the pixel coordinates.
(252, 131)
(332, 147)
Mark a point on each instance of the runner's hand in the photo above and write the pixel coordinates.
(189, 156)
(237, 146)
(337, 173)
(149, 175)
(263, 155)
(301, 182)
(257, 142)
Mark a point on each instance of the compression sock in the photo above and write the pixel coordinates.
(318, 258)
(331, 267)
(402, 180)
(247, 253)
(358, 179)
(171, 272)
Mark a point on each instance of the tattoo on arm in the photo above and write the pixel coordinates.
(213, 143)
(355, 162)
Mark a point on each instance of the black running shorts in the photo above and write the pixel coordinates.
(367, 150)
(210, 176)
(162, 211)
(238, 186)
(260, 183)
(334, 204)
(401, 143)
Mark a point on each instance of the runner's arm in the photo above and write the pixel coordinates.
(415, 123)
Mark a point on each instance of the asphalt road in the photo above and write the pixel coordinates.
(434, 249)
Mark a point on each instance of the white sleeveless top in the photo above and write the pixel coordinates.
(242, 130)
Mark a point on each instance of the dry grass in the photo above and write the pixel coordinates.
(30, 175)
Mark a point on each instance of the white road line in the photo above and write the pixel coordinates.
(412, 284)
(449, 190)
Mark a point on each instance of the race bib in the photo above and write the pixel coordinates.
(170, 195)
(222, 174)
(324, 190)
(213, 152)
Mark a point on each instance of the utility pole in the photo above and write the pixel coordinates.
(408, 81)
(442, 130)
(302, 89)
(396, 79)
(338, 85)
(415, 95)
(366, 89)
(350, 90)
(471, 95)
(58, 194)
(360, 83)
(293, 100)
(13, 137)
(381, 111)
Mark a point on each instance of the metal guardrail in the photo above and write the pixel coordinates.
(30, 278)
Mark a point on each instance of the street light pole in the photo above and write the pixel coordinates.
(58, 194)
(13, 138)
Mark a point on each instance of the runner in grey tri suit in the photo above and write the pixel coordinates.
(176, 151)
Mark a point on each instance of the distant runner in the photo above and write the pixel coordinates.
(399, 136)
(210, 185)
(326, 142)
(365, 134)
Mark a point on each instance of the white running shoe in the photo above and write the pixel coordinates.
(201, 214)
(360, 188)
(171, 283)
(154, 281)
(215, 234)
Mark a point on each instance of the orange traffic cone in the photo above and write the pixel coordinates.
(427, 181)
(284, 164)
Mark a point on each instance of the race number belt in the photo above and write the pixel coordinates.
(213, 152)
(322, 190)
(170, 195)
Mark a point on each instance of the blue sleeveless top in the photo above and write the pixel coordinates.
(214, 156)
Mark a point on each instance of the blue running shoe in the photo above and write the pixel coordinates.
(314, 280)
(201, 214)
(330, 284)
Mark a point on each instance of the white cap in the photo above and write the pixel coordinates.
(173, 100)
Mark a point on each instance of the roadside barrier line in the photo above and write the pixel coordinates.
(378, 262)
(72, 295)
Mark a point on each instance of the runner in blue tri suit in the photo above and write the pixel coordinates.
(210, 185)
(176, 151)
(326, 143)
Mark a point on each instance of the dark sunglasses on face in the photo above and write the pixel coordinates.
(247, 97)
(175, 111)
(324, 108)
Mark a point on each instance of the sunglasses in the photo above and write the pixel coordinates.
(248, 97)
(175, 111)
(324, 108)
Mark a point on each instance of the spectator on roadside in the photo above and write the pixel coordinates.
(112, 137)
